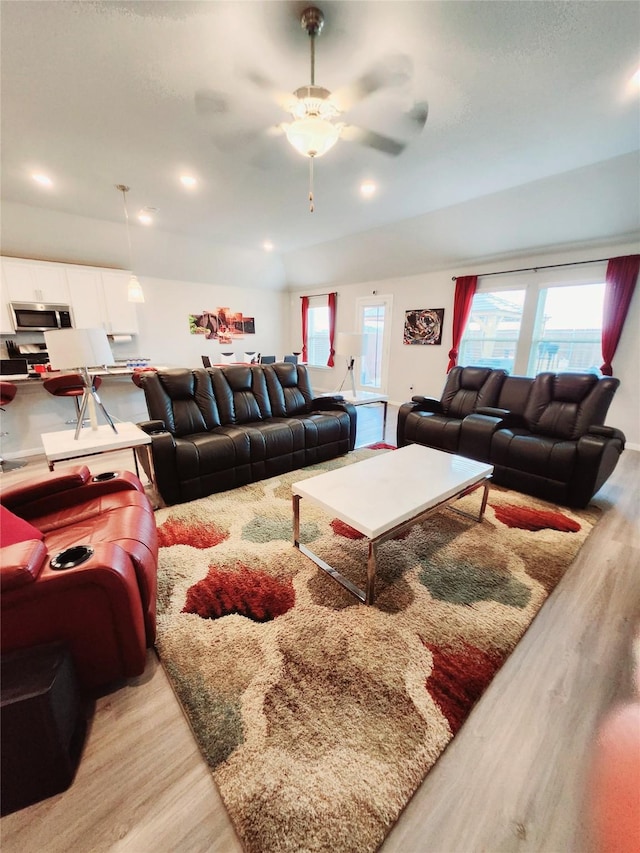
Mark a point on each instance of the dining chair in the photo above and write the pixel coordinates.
(206, 361)
(267, 359)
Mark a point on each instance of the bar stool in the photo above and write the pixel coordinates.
(8, 391)
(69, 385)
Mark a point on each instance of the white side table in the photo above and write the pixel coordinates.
(62, 446)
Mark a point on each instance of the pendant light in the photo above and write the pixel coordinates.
(134, 291)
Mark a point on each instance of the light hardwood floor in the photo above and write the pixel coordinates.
(513, 779)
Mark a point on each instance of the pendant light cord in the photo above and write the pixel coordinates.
(124, 190)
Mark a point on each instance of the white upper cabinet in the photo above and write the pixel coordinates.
(98, 297)
(34, 281)
(121, 314)
(85, 291)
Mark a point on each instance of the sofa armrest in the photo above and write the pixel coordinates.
(21, 563)
(426, 404)
(152, 426)
(597, 457)
(607, 432)
(95, 608)
(507, 418)
(493, 411)
(164, 451)
(319, 402)
(476, 433)
(337, 403)
(28, 491)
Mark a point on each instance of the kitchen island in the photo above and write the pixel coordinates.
(34, 411)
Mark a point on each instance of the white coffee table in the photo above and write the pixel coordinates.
(381, 496)
(61, 446)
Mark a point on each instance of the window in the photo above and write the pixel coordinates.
(318, 331)
(493, 330)
(537, 326)
(374, 323)
(567, 334)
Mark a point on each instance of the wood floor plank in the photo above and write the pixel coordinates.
(513, 779)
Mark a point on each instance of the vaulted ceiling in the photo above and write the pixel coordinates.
(532, 138)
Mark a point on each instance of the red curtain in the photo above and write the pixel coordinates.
(622, 275)
(331, 302)
(465, 288)
(304, 301)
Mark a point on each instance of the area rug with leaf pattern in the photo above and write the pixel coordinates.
(320, 716)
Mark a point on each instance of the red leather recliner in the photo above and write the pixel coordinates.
(103, 607)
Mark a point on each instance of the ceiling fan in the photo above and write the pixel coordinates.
(314, 109)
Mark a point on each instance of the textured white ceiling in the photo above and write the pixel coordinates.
(99, 93)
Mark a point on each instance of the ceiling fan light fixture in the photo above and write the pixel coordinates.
(312, 136)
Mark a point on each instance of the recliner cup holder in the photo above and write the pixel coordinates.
(158, 432)
(71, 557)
(107, 475)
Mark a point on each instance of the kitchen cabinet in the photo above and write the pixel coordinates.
(34, 281)
(85, 291)
(120, 314)
(6, 323)
(98, 297)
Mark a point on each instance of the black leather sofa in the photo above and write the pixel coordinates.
(545, 436)
(223, 427)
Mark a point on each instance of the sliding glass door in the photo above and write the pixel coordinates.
(374, 323)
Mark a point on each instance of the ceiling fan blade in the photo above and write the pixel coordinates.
(418, 115)
(372, 140)
(209, 102)
(281, 98)
(392, 71)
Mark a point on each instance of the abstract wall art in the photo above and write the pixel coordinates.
(423, 326)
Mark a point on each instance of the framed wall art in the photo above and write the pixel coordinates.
(423, 326)
(222, 325)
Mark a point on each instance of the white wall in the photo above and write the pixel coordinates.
(424, 368)
(164, 328)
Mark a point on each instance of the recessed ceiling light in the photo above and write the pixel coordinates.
(367, 189)
(43, 180)
(188, 181)
(267, 246)
(145, 217)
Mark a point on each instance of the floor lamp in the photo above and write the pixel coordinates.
(349, 345)
(80, 349)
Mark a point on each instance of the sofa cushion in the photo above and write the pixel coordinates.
(543, 456)
(433, 430)
(289, 390)
(468, 388)
(241, 393)
(15, 529)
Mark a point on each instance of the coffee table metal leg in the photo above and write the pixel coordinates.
(371, 573)
(296, 520)
(360, 594)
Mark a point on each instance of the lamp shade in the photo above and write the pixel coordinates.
(74, 348)
(349, 343)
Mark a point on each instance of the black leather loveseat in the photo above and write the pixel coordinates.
(544, 436)
(223, 427)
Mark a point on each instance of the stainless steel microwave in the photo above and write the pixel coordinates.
(38, 317)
